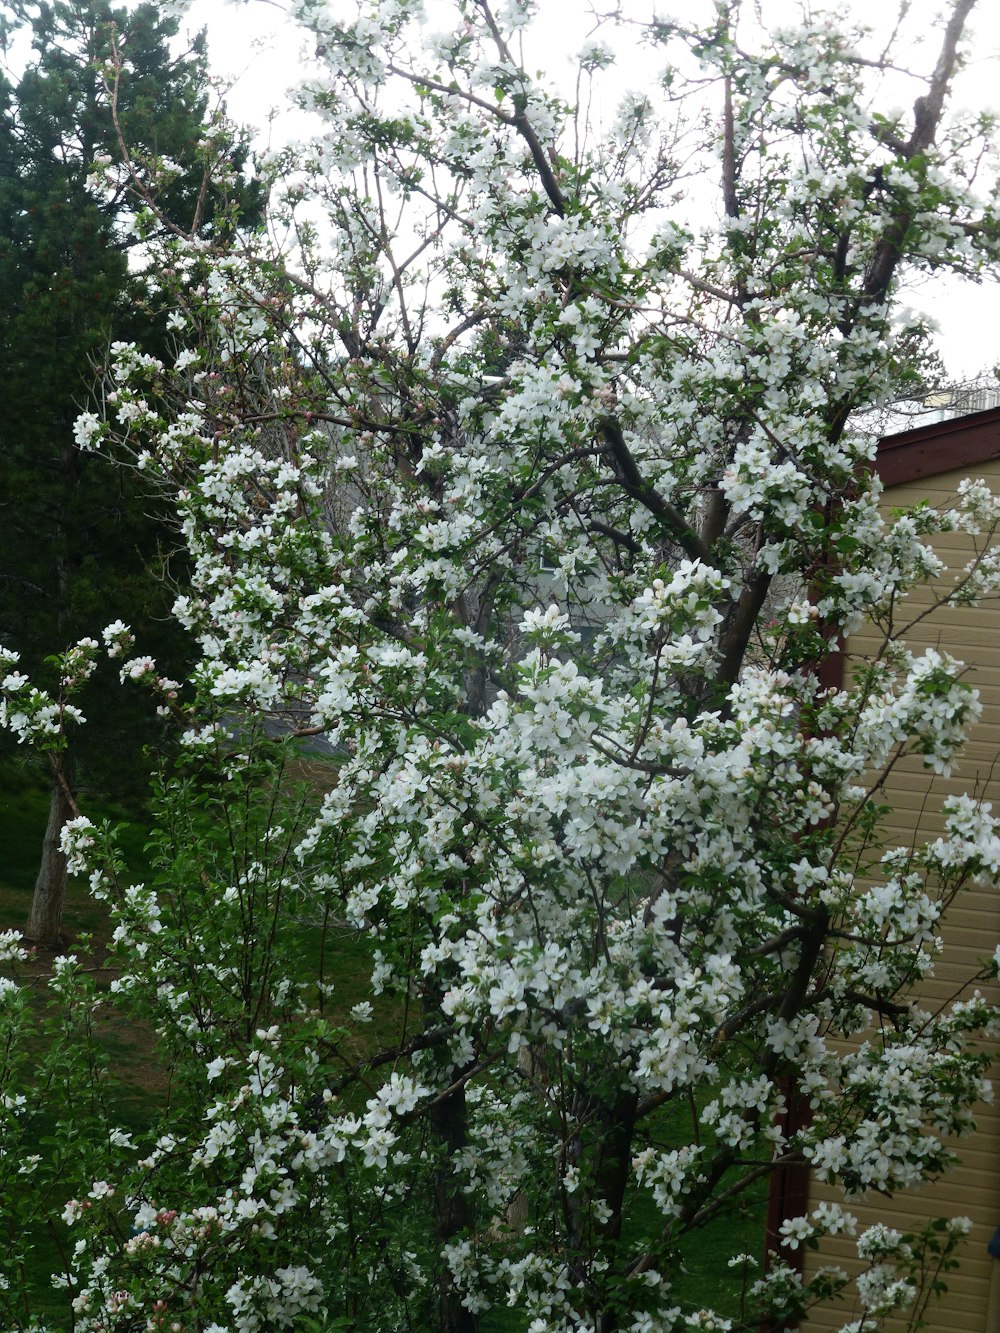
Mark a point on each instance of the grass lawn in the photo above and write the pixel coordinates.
(142, 1084)
(24, 800)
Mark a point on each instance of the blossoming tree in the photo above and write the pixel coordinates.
(74, 539)
(532, 488)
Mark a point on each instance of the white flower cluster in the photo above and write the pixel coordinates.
(594, 835)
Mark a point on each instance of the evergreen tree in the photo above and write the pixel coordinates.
(78, 539)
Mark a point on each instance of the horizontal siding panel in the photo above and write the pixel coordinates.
(972, 924)
(961, 1310)
(989, 471)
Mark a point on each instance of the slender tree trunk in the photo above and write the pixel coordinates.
(49, 897)
(453, 1216)
(613, 1125)
(613, 1172)
(615, 1162)
(531, 1065)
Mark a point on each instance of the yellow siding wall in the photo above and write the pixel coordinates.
(972, 931)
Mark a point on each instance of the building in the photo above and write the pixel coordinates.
(926, 464)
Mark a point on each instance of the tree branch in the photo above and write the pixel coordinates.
(632, 482)
(927, 112)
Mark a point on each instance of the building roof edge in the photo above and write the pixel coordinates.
(942, 446)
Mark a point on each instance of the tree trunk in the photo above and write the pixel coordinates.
(530, 1064)
(49, 896)
(453, 1215)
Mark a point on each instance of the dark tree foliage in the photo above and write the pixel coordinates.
(81, 542)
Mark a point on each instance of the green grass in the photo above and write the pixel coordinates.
(24, 810)
(24, 807)
(702, 1275)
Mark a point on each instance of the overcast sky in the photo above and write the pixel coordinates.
(256, 47)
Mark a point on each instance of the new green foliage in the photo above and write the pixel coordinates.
(81, 542)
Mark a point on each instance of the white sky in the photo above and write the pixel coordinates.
(262, 52)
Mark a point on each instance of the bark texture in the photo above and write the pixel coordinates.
(49, 897)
